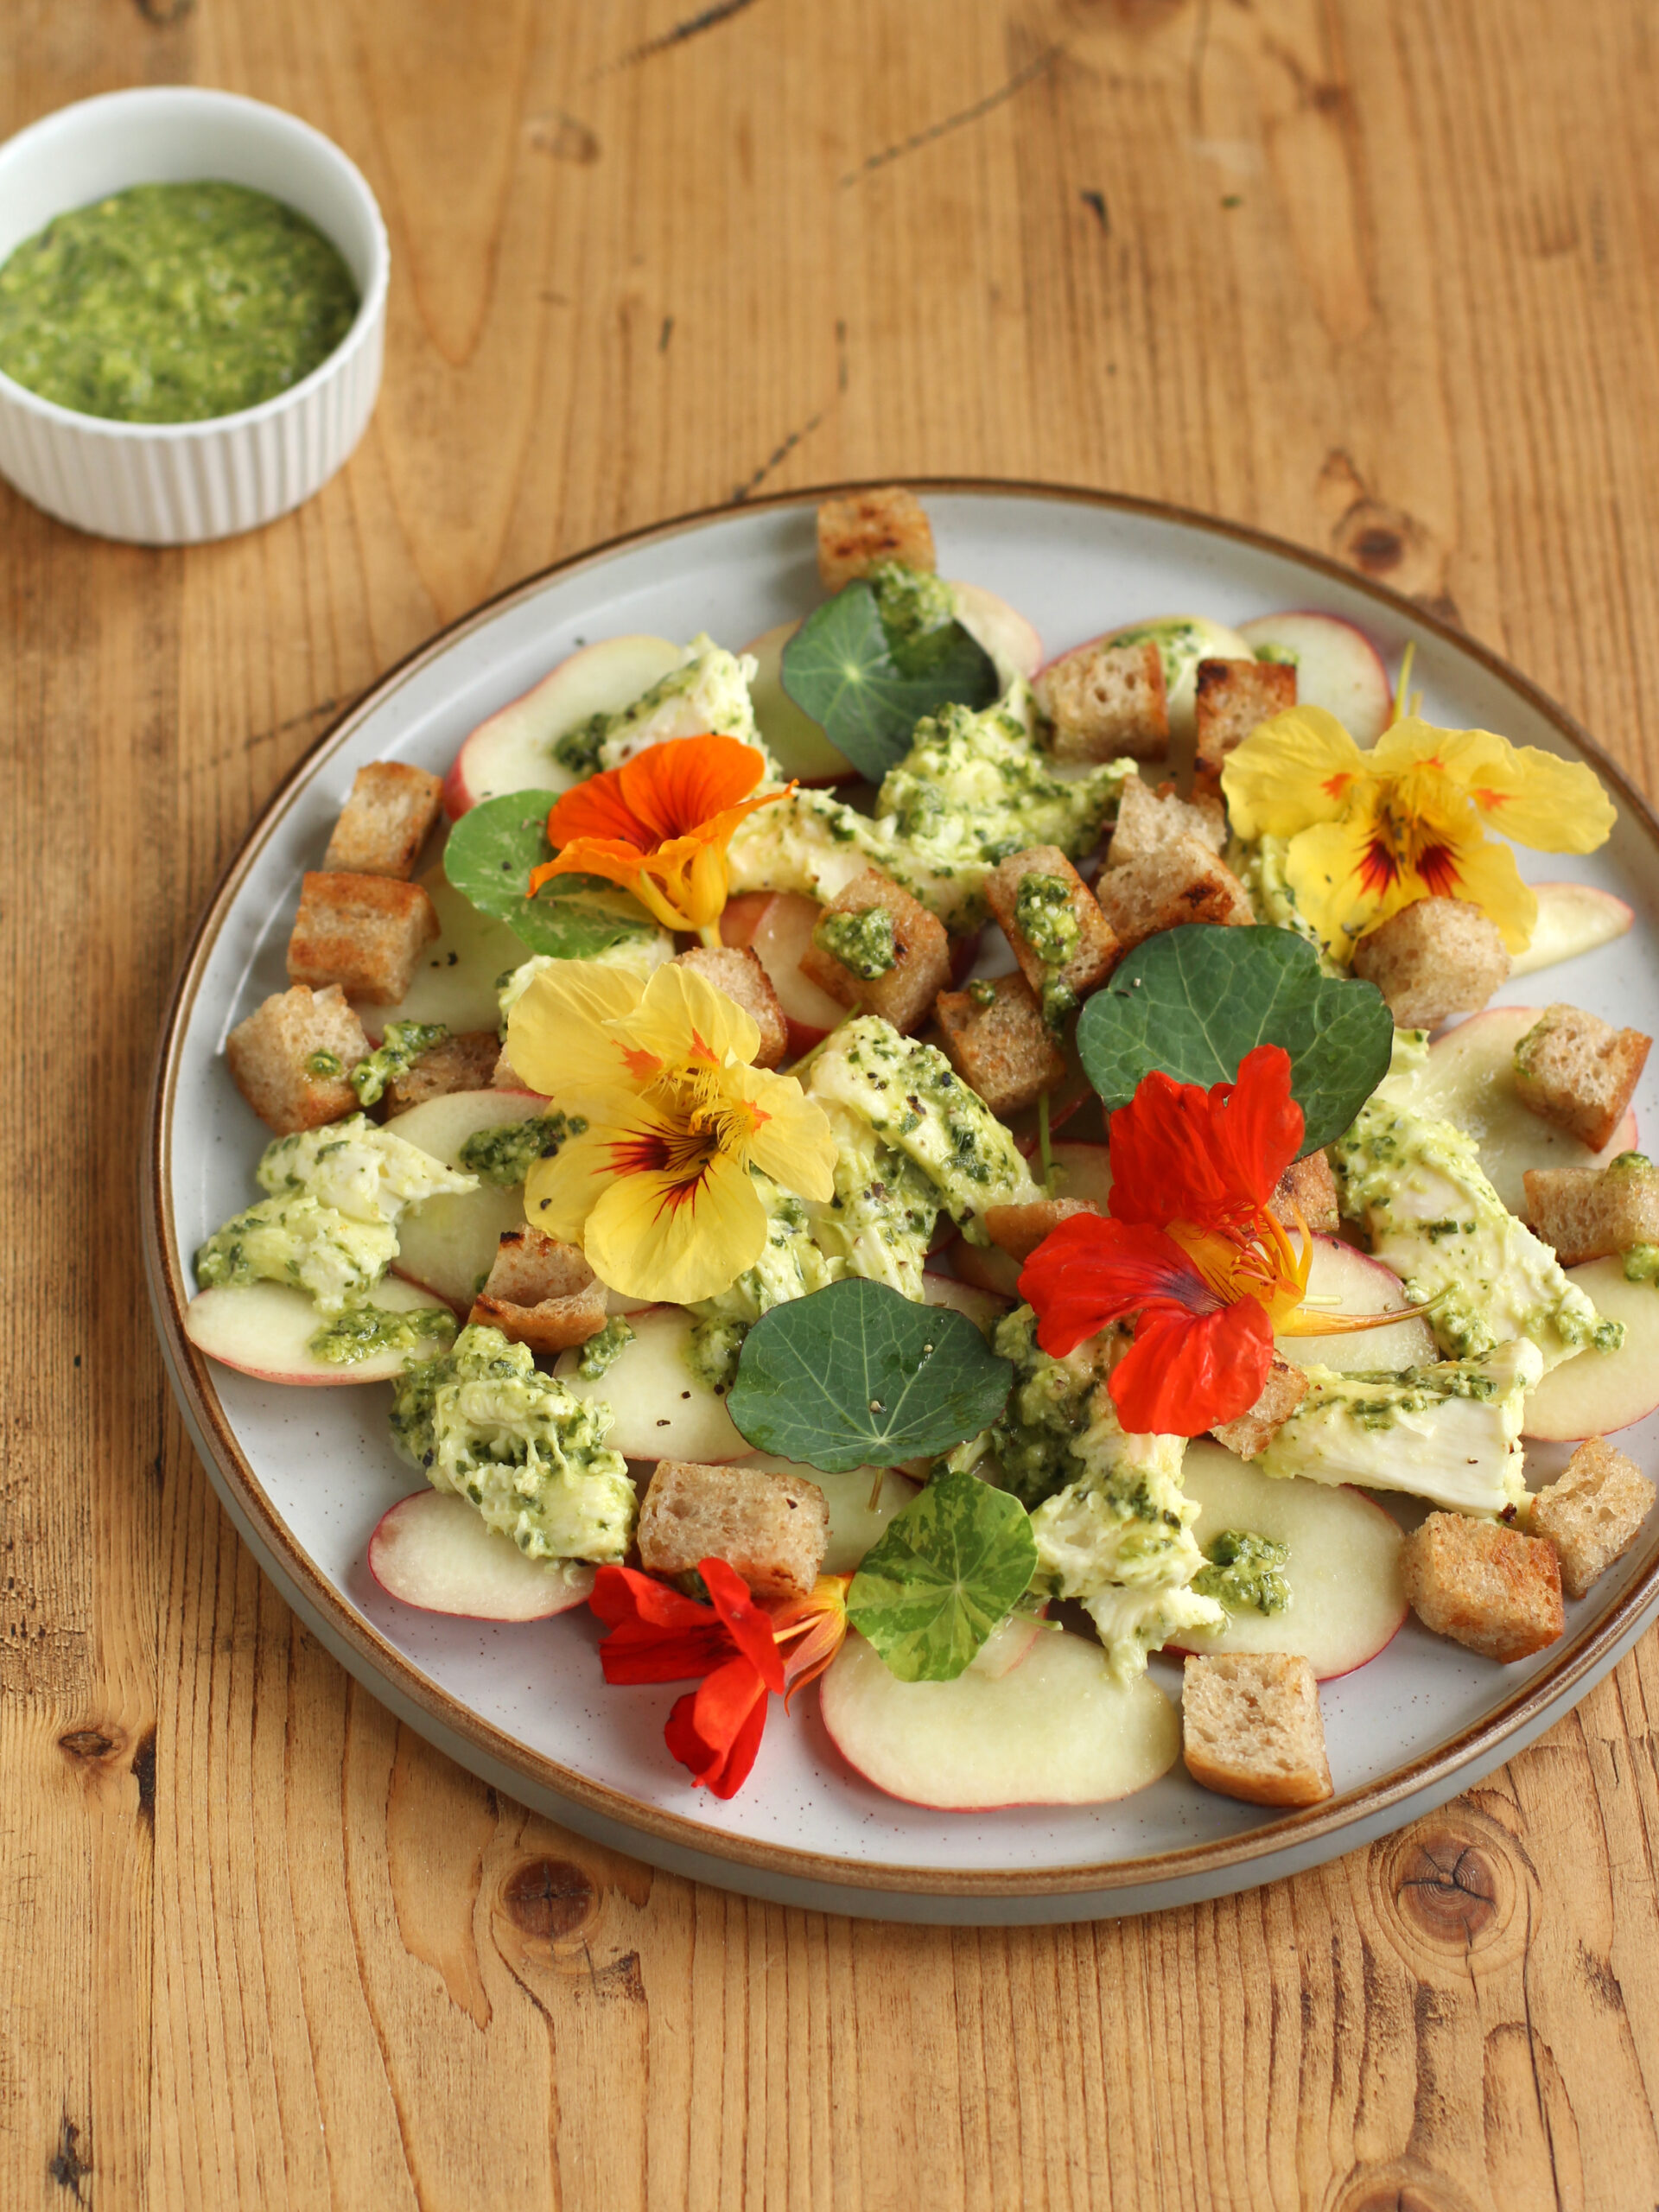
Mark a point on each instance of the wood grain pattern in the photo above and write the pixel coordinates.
(1375, 274)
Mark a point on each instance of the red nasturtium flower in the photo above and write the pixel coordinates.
(742, 1653)
(1190, 1253)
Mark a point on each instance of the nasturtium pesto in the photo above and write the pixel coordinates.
(505, 1155)
(1243, 1572)
(863, 942)
(1047, 918)
(172, 303)
(362, 1331)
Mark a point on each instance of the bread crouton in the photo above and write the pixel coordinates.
(994, 1036)
(1147, 819)
(1307, 1185)
(1593, 1512)
(1231, 697)
(1106, 702)
(1433, 959)
(1250, 1433)
(292, 1055)
(856, 533)
(1178, 881)
(772, 1529)
(848, 952)
(737, 971)
(386, 820)
(363, 932)
(1588, 1214)
(1251, 1728)
(1020, 1229)
(463, 1062)
(1485, 1586)
(542, 1292)
(1579, 1073)
(1038, 900)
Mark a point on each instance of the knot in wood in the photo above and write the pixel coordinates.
(92, 1744)
(1378, 549)
(1447, 1888)
(1403, 2186)
(547, 1899)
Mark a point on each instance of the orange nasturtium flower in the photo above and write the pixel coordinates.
(1372, 832)
(1190, 1253)
(660, 825)
(656, 1189)
(739, 1652)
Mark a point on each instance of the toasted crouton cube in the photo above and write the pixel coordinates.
(994, 1036)
(1020, 1229)
(1147, 819)
(1485, 1586)
(1588, 1214)
(463, 1062)
(1593, 1512)
(857, 533)
(292, 1055)
(386, 820)
(542, 1292)
(1251, 1728)
(1178, 881)
(1433, 959)
(1231, 697)
(1106, 702)
(1307, 1187)
(738, 972)
(1251, 1432)
(363, 932)
(772, 1529)
(1579, 1073)
(893, 964)
(1040, 890)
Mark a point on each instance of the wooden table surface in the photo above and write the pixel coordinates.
(1373, 274)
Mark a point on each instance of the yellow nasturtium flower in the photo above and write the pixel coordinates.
(1371, 832)
(656, 1189)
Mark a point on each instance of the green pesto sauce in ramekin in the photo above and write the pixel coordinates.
(172, 303)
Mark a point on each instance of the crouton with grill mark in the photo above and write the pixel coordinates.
(386, 820)
(1106, 702)
(894, 963)
(737, 971)
(1178, 881)
(463, 1062)
(994, 1036)
(1579, 1073)
(1485, 1586)
(363, 932)
(1590, 1213)
(1433, 959)
(1094, 953)
(542, 1292)
(772, 1529)
(1593, 1512)
(1147, 820)
(1250, 1433)
(1231, 697)
(857, 533)
(1310, 1185)
(292, 1055)
(1251, 1727)
(1020, 1229)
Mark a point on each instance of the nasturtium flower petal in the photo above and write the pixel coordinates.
(1486, 876)
(1187, 1373)
(558, 1038)
(662, 1236)
(683, 1020)
(793, 1143)
(1296, 767)
(1554, 806)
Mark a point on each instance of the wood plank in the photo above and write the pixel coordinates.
(1376, 278)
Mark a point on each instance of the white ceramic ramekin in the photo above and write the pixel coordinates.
(177, 483)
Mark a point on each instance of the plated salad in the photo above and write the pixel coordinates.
(879, 1161)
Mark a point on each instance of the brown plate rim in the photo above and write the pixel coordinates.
(192, 1375)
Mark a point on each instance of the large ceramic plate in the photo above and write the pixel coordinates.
(305, 1474)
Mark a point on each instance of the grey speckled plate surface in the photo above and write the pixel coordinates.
(305, 1474)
